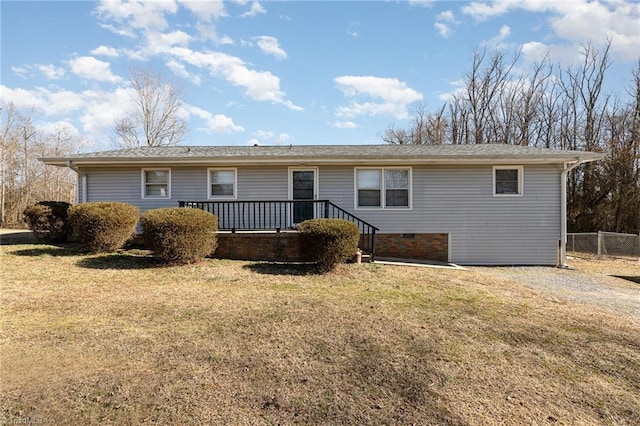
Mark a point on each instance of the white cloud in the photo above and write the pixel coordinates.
(482, 11)
(458, 88)
(267, 135)
(20, 71)
(258, 85)
(137, 13)
(423, 3)
(98, 108)
(225, 40)
(21, 98)
(253, 142)
(159, 42)
(343, 124)
(256, 9)
(105, 51)
(63, 101)
(292, 106)
(444, 22)
(61, 126)
(264, 134)
(388, 89)
(576, 21)
(497, 42)
(270, 46)
(356, 109)
(447, 16)
(283, 138)
(207, 11)
(394, 94)
(218, 123)
(443, 29)
(352, 31)
(181, 71)
(91, 68)
(102, 108)
(534, 51)
(126, 32)
(51, 72)
(208, 32)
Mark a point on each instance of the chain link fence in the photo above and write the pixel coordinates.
(604, 243)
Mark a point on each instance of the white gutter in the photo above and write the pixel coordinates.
(83, 198)
(563, 208)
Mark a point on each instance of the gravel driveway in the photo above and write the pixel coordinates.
(608, 292)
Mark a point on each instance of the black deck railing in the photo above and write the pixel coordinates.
(281, 215)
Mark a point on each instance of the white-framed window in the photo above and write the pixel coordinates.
(156, 183)
(508, 180)
(222, 183)
(382, 187)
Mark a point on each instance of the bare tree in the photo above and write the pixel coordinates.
(23, 179)
(550, 107)
(485, 84)
(425, 129)
(155, 119)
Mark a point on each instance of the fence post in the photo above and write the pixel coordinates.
(599, 252)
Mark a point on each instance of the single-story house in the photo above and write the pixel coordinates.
(468, 204)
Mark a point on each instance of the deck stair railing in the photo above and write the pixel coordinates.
(281, 215)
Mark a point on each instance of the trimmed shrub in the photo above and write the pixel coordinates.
(104, 226)
(49, 220)
(329, 241)
(179, 235)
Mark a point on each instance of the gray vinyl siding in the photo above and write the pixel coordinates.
(483, 229)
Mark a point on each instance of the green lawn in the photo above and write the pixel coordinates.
(115, 339)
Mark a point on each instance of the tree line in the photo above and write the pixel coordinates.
(550, 106)
(153, 119)
(24, 179)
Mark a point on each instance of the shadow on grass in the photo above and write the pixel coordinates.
(632, 278)
(23, 237)
(119, 261)
(274, 268)
(52, 250)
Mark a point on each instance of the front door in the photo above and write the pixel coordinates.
(303, 190)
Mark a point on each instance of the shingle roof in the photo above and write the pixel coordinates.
(325, 153)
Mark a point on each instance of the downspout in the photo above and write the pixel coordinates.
(83, 176)
(567, 167)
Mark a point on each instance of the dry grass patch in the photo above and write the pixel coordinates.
(114, 339)
(606, 265)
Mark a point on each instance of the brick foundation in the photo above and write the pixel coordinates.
(284, 246)
(413, 246)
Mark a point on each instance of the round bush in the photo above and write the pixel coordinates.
(179, 235)
(49, 220)
(329, 241)
(104, 226)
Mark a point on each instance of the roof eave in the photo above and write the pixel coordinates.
(452, 160)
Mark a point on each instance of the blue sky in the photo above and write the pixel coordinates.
(280, 72)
